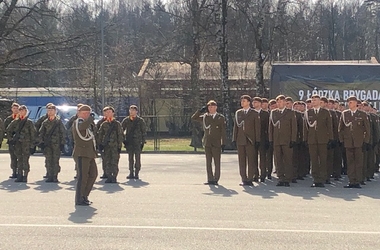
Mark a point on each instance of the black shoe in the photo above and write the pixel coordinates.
(208, 183)
(85, 198)
(25, 178)
(49, 179)
(130, 176)
(136, 177)
(328, 182)
(250, 183)
(109, 180)
(216, 183)
(368, 179)
(300, 178)
(55, 179)
(255, 180)
(19, 178)
(286, 184)
(104, 176)
(83, 202)
(13, 176)
(372, 177)
(362, 183)
(357, 186)
(45, 176)
(244, 183)
(349, 186)
(75, 177)
(280, 184)
(262, 179)
(269, 177)
(114, 180)
(294, 181)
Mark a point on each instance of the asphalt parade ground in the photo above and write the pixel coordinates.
(170, 208)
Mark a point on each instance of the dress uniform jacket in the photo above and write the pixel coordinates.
(247, 127)
(214, 128)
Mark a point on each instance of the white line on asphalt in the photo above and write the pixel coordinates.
(191, 228)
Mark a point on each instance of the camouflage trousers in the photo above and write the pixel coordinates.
(111, 158)
(12, 153)
(22, 152)
(52, 155)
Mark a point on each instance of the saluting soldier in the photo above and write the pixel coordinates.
(11, 147)
(283, 136)
(110, 142)
(214, 127)
(135, 134)
(246, 135)
(264, 138)
(319, 137)
(21, 134)
(84, 130)
(53, 139)
(354, 133)
(98, 124)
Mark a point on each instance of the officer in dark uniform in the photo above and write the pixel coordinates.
(84, 154)
(214, 126)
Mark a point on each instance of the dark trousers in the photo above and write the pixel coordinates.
(270, 161)
(264, 161)
(318, 156)
(344, 159)
(247, 153)
(337, 169)
(87, 172)
(213, 153)
(370, 164)
(330, 163)
(12, 153)
(283, 156)
(354, 165)
(134, 159)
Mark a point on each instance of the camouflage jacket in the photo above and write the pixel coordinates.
(58, 136)
(135, 130)
(116, 136)
(27, 133)
(100, 122)
(39, 122)
(8, 121)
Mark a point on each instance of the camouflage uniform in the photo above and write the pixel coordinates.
(52, 145)
(2, 131)
(135, 133)
(12, 153)
(23, 145)
(112, 148)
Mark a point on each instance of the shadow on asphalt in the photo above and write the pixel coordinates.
(135, 183)
(12, 186)
(46, 187)
(110, 188)
(219, 190)
(302, 189)
(82, 214)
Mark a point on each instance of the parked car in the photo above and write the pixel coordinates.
(65, 113)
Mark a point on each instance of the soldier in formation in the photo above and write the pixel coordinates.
(11, 147)
(52, 134)
(110, 139)
(134, 128)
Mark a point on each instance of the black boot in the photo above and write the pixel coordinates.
(25, 177)
(14, 175)
(136, 175)
(109, 180)
(114, 179)
(130, 176)
(55, 178)
(104, 176)
(49, 179)
(19, 178)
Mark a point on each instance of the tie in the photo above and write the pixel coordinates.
(316, 111)
(245, 112)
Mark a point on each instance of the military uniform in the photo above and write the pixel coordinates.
(246, 134)
(22, 146)
(84, 155)
(318, 135)
(53, 139)
(11, 148)
(111, 143)
(135, 134)
(298, 157)
(2, 131)
(369, 164)
(331, 168)
(338, 151)
(354, 133)
(264, 154)
(214, 127)
(283, 136)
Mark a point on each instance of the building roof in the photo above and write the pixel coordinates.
(208, 71)
(372, 61)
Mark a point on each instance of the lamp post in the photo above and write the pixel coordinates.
(102, 53)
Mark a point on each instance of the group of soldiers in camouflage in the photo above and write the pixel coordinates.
(319, 135)
(50, 134)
